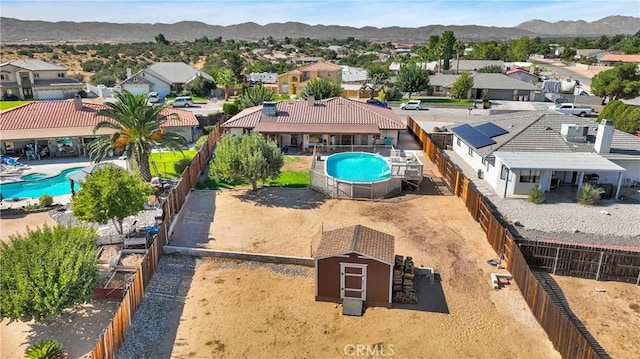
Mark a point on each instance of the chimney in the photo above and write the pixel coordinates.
(311, 100)
(269, 108)
(77, 101)
(128, 72)
(604, 136)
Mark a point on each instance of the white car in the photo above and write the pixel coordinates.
(182, 101)
(411, 105)
(153, 97)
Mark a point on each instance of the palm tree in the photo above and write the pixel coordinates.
(138, 129)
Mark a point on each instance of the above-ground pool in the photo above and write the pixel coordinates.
(358, 167)
(35, 185)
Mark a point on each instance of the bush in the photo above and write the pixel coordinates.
(208, 129)
(11, 97)
(201, 141)
(536, 195)
(45, 349)
(589, 195)
(230, 109)
(46, 200)
(181, 165)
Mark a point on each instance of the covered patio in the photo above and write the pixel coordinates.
(521, 171)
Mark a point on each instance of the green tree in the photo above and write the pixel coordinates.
(619, 83)
(458, 47)
(254, 96)
(160, 40)
(411, 78)
(249, 156)
(321, 88)
(434, 49)
(462, 85)
(46, 271)
(377, 77)
(625, 118)
(236, 64)
(110, 193)
(200, 86)
(491, 69)
(138, 129)
(224, 78)
(447, 42)
(521, 49)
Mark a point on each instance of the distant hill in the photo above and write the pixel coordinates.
(27, 31)
(611, 25)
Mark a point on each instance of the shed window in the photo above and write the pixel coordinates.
(458, 141)
(529, 176)
(470, 152)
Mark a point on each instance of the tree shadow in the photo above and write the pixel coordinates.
(431, 297)
(191, 229)
(295, 198)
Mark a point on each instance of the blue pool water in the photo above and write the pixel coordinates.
(358, 167)
(34, 185)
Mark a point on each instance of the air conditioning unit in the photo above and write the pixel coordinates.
(574, 133)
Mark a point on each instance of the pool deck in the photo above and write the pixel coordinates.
(49, 167)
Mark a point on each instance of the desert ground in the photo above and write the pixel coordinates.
(611, 314)
(18, 224)
(259, 312)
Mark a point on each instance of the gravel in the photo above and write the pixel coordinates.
(143, 218)
(611, 222)
(291, 270)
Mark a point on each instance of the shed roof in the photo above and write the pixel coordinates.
(359, 239)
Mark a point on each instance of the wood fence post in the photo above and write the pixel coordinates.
(555, 263)
(599, 265)
(456, 189)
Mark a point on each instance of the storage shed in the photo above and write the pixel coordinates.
(355, 263)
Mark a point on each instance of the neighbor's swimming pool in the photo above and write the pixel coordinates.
(358, 167)
(35, 185)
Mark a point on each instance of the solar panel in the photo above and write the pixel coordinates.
(490, 129)
(472, 137)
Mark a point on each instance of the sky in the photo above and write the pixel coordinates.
(356, 13)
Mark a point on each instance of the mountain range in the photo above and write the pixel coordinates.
(29, 31)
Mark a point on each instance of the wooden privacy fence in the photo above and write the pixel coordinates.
(568, 336)
(113, 335)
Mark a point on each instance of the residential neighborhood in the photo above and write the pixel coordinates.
(350, 192)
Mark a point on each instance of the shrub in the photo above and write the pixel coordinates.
(82, 93)
(46, 200)
(45, 349)
(589, 194)
(11, 97)
(230, 109)
(208, 129)
(201, 141)
(536, 195)
(181, 165)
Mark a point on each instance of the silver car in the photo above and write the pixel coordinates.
(182, 101)
(411, 105)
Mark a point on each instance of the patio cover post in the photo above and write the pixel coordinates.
(580, 179)
(619, 185)
(506, 183)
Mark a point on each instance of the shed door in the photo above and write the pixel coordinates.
(353, 281)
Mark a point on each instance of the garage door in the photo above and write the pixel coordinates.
(50, 95)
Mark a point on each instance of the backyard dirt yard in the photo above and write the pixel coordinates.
(611, 314)
(19, 224)
(256, 312)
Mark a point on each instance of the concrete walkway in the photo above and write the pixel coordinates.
(191, 227)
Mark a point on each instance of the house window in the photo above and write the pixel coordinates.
(458, 141)
(246, 131)
(503, 172)
(60, 74)
(315, 138)
(529, 176)
(470, 152)
(484, 161)
(438, 89)
(36, 76)
(4, 77)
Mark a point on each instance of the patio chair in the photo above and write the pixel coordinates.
(31, 155)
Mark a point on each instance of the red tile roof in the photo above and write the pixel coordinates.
(620, 58)
(321, 66)
(360, 239)
(63, 114)
(331, 114)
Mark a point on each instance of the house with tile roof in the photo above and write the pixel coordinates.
(31, 79)
(616, 59)
(335, 121)
(496, 87)
(517, 151)
(52, 124)
(521, 74)
(163, 78)
(294, 81)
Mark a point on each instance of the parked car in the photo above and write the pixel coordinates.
(411, 105)
(181, 101)
(562, 100)
(376, 102)
(572, 109)
(153, 97)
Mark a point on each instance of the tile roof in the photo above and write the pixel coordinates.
(335, 111)
(43, 115)
(321, 66)
(34, 65)
(539, 131)
(360, 239)
(620, 58)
